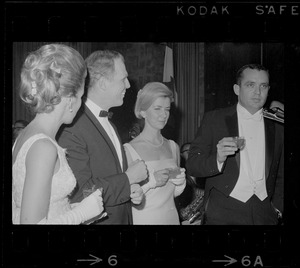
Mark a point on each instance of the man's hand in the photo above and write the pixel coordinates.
(137, 171)
(137, 194)
(225, 147)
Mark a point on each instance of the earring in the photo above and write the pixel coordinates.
(70, 106)
(143, 114)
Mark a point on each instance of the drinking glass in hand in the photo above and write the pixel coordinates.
(173, 172)
(240, 142)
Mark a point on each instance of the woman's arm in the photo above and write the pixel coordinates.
(40, 164)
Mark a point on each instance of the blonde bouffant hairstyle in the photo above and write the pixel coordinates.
(50, 73)
(148, 94)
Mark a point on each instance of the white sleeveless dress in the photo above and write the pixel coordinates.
(158, 206)
(63, 181)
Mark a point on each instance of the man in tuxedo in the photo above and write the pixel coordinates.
(244, 182)
(94, 149)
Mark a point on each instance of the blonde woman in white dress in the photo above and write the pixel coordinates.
(166, 179)
(52, 84)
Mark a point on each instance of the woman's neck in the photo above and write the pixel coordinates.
(151, 134)
(152, 137)
(46, 123)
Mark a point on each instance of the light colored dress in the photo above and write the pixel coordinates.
(63, 181)
(158, 206)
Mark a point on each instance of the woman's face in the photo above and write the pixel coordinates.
(158, 113)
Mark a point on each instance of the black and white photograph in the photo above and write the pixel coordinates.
(149, 134)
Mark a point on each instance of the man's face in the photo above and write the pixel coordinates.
(117, 85)
(253, 89)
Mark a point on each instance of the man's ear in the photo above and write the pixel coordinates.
(102, 83)
(236, 89)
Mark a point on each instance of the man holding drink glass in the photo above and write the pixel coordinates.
(240, 153)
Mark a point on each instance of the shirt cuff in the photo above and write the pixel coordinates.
(220, 165)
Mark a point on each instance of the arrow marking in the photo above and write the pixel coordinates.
(95, 260)
(230, 260)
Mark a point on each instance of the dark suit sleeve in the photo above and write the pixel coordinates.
(202, 159)
(116, 188)
(278, 195)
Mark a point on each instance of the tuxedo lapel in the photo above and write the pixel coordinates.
(103, 133)
(231, 121)
(232, 125)
(270, 143)
(122, 148)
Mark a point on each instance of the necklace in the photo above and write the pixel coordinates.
(155, 145)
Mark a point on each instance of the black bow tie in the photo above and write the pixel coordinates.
(106, 113)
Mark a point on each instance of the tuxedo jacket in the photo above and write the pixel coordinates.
(94, 161)
(202, 160)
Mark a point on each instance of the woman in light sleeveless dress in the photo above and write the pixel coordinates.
(161, 157)
(52, 81)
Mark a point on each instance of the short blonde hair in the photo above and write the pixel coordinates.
(101, 63)
(148, 94)
(52, 71)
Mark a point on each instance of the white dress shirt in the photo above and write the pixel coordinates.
(252, 158)
(95, 109)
